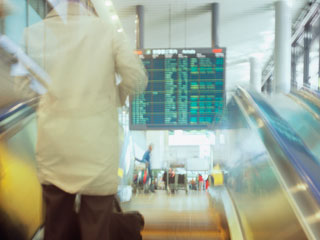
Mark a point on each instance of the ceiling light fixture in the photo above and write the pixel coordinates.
(114, 17)
(108, 3)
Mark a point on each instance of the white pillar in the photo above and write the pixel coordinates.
(282, 54)
(255, 74)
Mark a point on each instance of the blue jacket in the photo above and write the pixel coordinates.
(146, 157)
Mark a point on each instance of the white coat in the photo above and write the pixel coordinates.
(77, 144)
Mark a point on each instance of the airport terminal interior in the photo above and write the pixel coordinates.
(222, 143)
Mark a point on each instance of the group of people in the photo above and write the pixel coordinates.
(168, 177)
(199, 184)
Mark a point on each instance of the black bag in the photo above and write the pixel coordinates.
(126, 225)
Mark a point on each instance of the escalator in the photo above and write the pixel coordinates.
(273, 176)
(271, 187)
(20, 192)
(179, 216)
(301, 110)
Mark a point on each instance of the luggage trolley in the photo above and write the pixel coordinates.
(140, 181)
(177, 179)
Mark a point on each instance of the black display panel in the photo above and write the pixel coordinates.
(186, 89)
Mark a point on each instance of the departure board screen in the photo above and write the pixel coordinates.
(186, 90)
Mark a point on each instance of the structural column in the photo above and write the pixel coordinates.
(139, 27)
(306, 62)
(215, 24)
(282, 54)
(319, 61)
(255, 74)
(269, 85)
(294, 66)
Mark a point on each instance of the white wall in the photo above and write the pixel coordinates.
(158, 139)
(139, 143)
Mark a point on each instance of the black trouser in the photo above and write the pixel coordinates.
(63, 223)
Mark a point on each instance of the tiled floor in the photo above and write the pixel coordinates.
(178, 216)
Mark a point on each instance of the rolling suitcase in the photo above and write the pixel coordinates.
(126, 225)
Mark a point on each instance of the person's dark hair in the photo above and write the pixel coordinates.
(10, 230)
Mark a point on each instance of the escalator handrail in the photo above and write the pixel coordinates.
(26, 108)
(311, 91)
(11, 110)
(8, 112)
(310, 96)
(308, 169)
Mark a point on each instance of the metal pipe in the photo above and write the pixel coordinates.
(269, 85)
(319, 59)
(215, 24)
(27, 13)
(306, 61)
(139, 27)
(294, 66)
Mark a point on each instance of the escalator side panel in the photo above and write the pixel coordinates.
(20, 191)
(302, 159)
(257, 192)
(296, 189)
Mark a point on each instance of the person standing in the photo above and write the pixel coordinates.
(78, 140)
(200, 179)
(165, 179)
(147, 160)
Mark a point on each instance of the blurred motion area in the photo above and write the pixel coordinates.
(254, 174)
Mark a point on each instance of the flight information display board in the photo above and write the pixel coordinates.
(186, 89)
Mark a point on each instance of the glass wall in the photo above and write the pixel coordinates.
(23, 14)
(299, 73)
(314, 64)
(314, 57)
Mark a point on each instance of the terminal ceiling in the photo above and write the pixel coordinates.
(246, 28)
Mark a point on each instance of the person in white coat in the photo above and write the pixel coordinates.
(78, 140)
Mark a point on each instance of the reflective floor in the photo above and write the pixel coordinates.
(178, 216)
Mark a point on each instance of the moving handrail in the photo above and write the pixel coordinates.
(311, 91)
(310, 97)
(16, 113)
(297, 152)
(297, 167)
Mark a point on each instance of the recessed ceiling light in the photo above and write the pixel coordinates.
(108, 3)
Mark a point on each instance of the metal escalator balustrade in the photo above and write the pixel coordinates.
(20, 191)
(296, 166)
(301, 117)
(253, 181)
(16, 113)
(311, 98)
(304, 103)
(305, 163)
